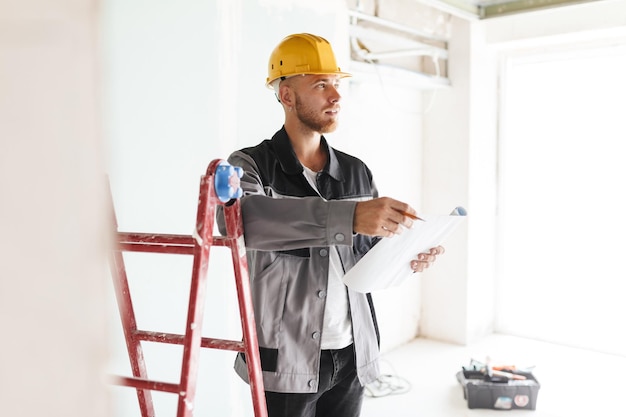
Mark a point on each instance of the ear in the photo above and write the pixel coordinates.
(285, 95)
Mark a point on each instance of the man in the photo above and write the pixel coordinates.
(310, 212)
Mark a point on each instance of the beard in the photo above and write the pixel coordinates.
(312, 119)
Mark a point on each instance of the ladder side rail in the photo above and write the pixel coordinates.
(234, 228)
(127, 316)
(129, 325)
(197, 294)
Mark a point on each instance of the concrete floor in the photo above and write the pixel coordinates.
(574, 382)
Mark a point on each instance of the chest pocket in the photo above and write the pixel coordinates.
(300, 253)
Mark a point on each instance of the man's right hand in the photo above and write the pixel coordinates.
(381, 217)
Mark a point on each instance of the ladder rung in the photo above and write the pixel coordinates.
(177, 339)
(162, 243)
(141, 383)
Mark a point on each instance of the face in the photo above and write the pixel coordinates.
(317, 102)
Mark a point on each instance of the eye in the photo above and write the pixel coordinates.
(322, 85)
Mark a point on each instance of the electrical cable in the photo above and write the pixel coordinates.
(387, 384)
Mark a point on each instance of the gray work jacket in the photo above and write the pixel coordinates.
(289, 230)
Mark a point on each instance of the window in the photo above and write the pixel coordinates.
(562, 180)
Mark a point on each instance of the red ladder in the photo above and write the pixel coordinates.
(218, 186)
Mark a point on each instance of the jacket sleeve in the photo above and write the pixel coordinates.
(289, 223)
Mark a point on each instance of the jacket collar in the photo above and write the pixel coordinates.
(289, 161)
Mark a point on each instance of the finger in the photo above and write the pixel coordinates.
(406, 216)
(426, 257)
(393, 228)
(437, 250)
(385, 232)
(419, 266)
(407, 222)
(396, 217)
(402, 207)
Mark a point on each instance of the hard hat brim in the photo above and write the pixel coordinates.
(268, 82)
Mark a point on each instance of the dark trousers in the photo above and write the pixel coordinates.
(339, 395)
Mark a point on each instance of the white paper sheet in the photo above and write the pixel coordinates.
(388, 263)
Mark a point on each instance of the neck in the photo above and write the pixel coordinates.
(308, 147)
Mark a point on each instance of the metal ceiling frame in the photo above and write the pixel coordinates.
(402, 41)
(484, 9)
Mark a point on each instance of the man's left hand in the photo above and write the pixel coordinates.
(425, 260)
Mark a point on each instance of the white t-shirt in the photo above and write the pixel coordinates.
(337, 331)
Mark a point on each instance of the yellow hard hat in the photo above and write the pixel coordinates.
(302, 53)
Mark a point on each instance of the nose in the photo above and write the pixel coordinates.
(334, 95)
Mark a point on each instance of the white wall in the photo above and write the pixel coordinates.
(53, 225)
(460, 169)
(184, 84)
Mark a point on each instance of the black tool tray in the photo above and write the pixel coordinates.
(483, 391)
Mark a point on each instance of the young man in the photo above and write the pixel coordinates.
(310, 212)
